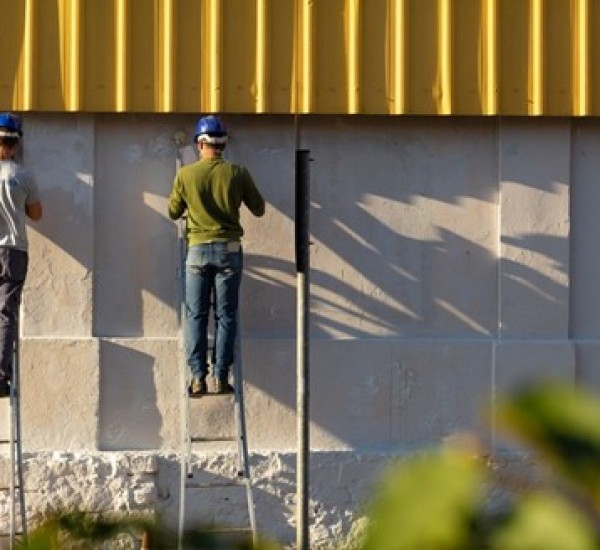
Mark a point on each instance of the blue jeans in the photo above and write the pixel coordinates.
(212, 268)
(13, 270)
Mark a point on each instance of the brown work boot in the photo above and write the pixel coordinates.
(223, 387)
(198, 386)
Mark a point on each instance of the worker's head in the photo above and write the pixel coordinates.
(10, 134)
(210, 133)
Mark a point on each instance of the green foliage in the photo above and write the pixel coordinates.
(546, 522)
(414, 497)
(76, 530)
(562, 424)
(438, 502)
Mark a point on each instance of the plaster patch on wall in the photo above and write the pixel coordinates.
(135, 154)
(158, 146)
(405, 377)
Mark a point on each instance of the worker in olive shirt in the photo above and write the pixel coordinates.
(212, 191)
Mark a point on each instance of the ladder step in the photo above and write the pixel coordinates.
(216, 485)
(210, 394)
(6, 535)
(209, 439)
(230, 530)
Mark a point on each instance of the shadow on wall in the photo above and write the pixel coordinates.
(129, 417)
(135, 243)
(403, 223)
(400, 209)
(104, 183)
(404, 226)
(404, 234)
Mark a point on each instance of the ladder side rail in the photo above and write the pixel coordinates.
(13, 403)
(240, 416)
(19, 434)
(185, 452)
(184, 404)
(185, 458)
(13, 467)
(184, 371)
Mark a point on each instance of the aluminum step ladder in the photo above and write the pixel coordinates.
(16, 487)
(242, 477)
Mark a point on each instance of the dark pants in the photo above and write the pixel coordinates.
(13, 270)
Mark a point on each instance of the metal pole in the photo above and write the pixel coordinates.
(302, 346)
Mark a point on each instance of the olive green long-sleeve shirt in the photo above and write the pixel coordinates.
(212, 191)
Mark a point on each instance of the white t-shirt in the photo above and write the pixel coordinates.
(17, 188)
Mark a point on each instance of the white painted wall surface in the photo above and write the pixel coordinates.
(452, 258)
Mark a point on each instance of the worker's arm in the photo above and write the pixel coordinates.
(252, 197)
(177, 204)
(34, 210)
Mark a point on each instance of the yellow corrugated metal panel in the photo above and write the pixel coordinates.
(558, 73)
(593, 58)
(12, 25)
(446, 57)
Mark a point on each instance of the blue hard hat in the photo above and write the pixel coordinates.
(10, 125)
(211, 130)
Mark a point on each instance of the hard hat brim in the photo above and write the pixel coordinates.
(9, 133)
(212, 140)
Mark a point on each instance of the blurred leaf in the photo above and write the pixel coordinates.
(42, 538)
(427, 502)
(563, 423)
(78, 530)
(545, 522)
(81, 525)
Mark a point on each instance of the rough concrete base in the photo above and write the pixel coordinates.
(141, 483)
(148, 483)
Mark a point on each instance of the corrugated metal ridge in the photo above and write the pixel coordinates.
(424, 57)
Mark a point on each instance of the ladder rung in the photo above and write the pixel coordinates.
(210, 394)
(232, 530)
(217, 485)
(209, 439)
(16, 487)
(6, 535)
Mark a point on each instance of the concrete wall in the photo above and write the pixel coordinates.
(452, 258)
